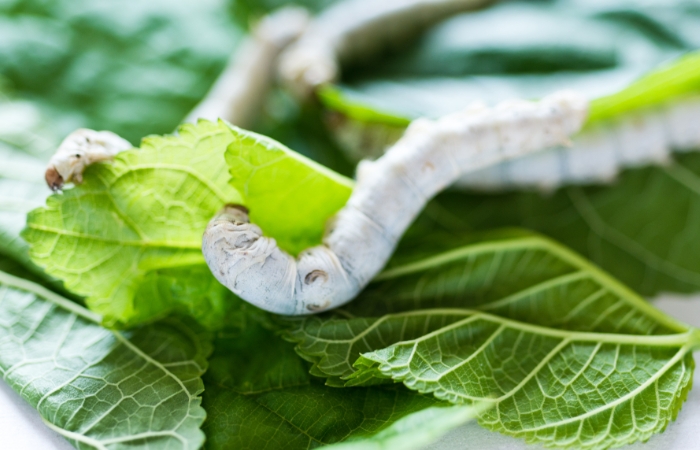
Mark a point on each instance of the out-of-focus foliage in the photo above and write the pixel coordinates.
(129, 239)
(259, 395)
(525, 50)
(133, 67)
(247, 10)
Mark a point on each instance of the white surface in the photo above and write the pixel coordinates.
(21, 427)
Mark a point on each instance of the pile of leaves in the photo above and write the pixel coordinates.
(113, 328)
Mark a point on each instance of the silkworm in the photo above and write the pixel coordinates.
(77, 151)
(389, 194)
(240, 91)
(357, 29)
(600, 152)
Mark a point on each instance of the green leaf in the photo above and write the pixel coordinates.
(640, 229)
(129, 238)
(102, 389)
(680, 78)
(414, 431)
(27, 137)
(289, 196)
(22, 189)
(568, 356)
(260, 395)
(134, 71)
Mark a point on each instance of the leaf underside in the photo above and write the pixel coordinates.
(102, 389)
(567, 356)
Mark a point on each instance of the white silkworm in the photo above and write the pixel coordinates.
(600, 152)
(77, 151)
(355, 29)
(240, 91)
(389, 194)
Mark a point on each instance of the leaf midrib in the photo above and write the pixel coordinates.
(690, 336)
(130, 168)
(131, 243)
(540, 243)
(40, 291)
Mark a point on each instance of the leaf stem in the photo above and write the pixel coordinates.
(694, 341)
(689, 336)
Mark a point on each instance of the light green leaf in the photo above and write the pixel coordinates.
(568, 355)
(289, 196)
(101, 389)
(640, 229)
(27, 137)
(682, 77)
(679, 78)
(259, 395)
(129, 238)
(414, 431)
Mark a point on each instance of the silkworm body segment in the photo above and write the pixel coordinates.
(601, 151)
(389, 194)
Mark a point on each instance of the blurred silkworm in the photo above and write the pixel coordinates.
(601, 151)
(358, 29)
(240, 91)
